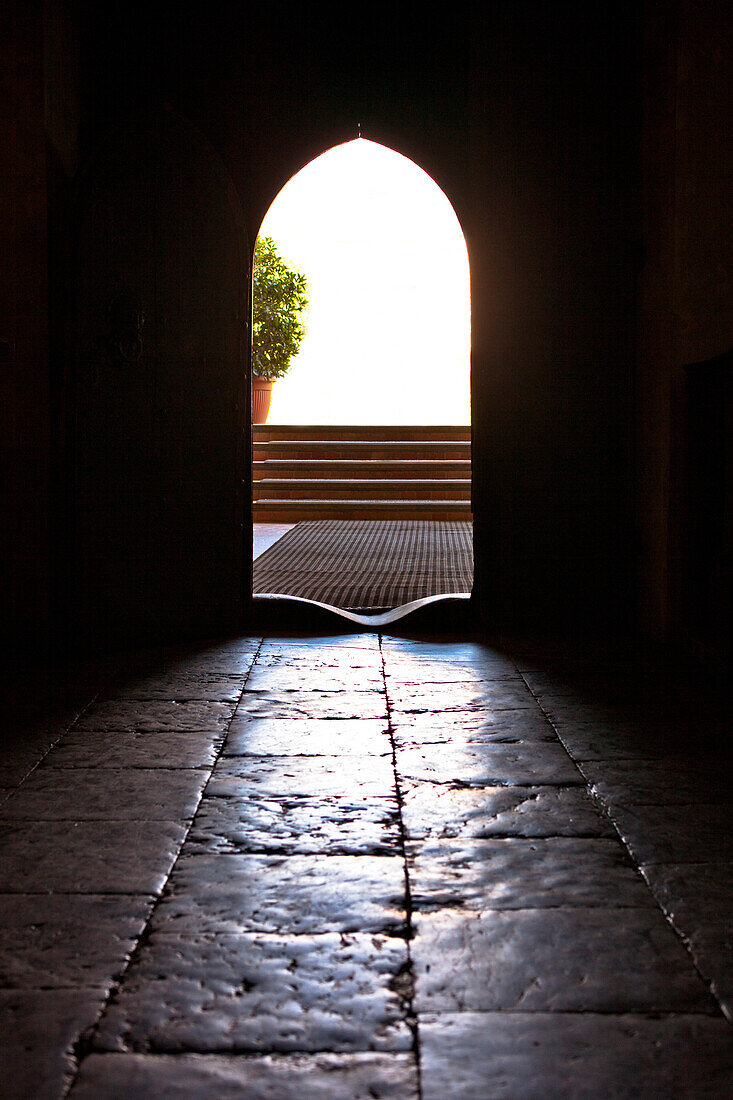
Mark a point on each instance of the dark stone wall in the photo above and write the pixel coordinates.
(529, 116)
(24, 377)
(685, 296)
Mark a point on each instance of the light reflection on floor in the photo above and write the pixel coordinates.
(265, 534)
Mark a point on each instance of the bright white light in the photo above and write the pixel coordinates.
(388, 323)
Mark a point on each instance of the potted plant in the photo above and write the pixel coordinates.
(279, 298)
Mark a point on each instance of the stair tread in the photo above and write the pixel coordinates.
(366, 463)
(280, 502)
(372, 444)
(362, 427)
(366, 483)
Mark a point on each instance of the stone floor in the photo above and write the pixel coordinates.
(364, 866)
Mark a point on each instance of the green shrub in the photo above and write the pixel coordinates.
(279, 298)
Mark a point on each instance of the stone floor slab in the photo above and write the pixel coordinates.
(271, 1077)
(181, 687)
(104, 794)
(424, 668)
(693, 894)
(502, 726)
(312, 704)
(524, 874)
(455, 649)
(260, 993)
(19, 756)
(303, 656)
(316, 676)
(162, 749)
(88, 857)
(615, 739)
(298, 894)
(490, 765)
(664, 781)
(676, 834)
(137, 716)
(711, 947)
(432, 810)
(37, 1033)
(554, 960)
(479, 696)
(295, 825)
(62, 941)
(307, 737)
(284, 777)
(11, 778)
(540, 1056)
(233, 657)
(292, 645)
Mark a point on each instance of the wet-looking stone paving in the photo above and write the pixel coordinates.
(334, 868)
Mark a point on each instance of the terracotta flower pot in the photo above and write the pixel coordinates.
(261, 397)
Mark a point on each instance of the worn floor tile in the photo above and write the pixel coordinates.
(295, 825)
(490, 764)
(554, 960)
(269, 1077)
(711, 947)
(615, 739)
(455, 727)
(540, 1056)
(212, 686)
(307, 737)
(657, 782)
(118, 749)
(432, 810)
(98, 794)
(229, 657)
(298, 894)
(292, 645)
(87, 857)
(312, 704)
(453, 649)
(424, 668)
(11, 778)
(37, 1032)
(19, 756)
(693, 894)
(524, 874)
(152, 714)
(261, 993)
(314, 677)
(304, 657)
(479, 696)
(676, 833)
(61, 941)
(356, 777)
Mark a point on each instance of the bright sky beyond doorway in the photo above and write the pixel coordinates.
(388, 323)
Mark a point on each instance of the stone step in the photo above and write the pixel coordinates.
(338, 449)
(267, 432)
(291, 511)
(363, 468)
(365, 489)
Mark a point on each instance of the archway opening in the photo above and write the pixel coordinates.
(368, 432)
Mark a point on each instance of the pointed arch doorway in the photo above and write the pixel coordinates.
(362, 472)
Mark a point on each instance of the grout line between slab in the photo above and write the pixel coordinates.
(412, 1020)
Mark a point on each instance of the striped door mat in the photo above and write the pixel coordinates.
(368, 565)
